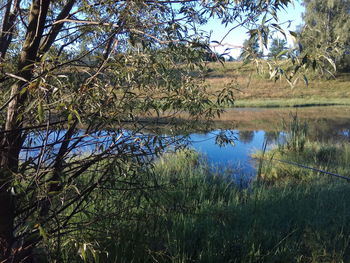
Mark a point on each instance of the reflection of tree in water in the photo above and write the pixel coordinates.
(272, 136)
(246, 136)
(328, 130)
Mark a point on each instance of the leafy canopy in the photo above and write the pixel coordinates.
(82, 82)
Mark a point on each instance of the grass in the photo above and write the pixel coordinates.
(194, 214)
(333, 158)
(299, 149)
(292, 102)
(256, 90)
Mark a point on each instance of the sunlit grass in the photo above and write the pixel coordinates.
(299, 159)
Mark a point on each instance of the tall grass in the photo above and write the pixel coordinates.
(190, 213)
(281, 163)
(297, 132)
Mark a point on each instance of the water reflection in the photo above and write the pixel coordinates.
(246, 136)
(216, 145)
(237, 156)
(272, 136)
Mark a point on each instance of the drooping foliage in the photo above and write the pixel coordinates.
(251, 49)
(80, 82)
(326, 30)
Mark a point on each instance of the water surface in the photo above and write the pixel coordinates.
(249, 128)
(255, 126)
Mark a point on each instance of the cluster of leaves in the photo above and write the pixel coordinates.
(325, 34)
(321, 45)
(77, 98)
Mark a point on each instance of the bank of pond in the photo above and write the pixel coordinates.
(190, 211)
(195, 214)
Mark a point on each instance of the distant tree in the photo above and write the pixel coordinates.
(251, 49)
(277, 46)
(212, 56)
(231, 59)
(327, 29)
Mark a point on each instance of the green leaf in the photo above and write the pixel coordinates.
(306, 80)
(70, 119)
(293, 34)
(330, 61)
(40, 111)
(76, 113)
(283, 52)
(22, 91)
(42, 233)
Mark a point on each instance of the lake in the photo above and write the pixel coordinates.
(248, 127)
(251, 127)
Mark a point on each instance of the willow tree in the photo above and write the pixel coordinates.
(326, 30)
(79, 78)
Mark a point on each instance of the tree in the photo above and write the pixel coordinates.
(277, 46)
(326, 28)
(251, 49)
(79, 77)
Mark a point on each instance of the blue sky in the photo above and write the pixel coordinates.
(236, 37)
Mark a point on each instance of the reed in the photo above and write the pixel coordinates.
(190, 212)
(291, 159)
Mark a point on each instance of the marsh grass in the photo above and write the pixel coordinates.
(191, 213)
(282, 162)
(332, 158)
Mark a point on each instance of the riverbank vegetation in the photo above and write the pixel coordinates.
(201, 215)
(190, 211)
(297, 157)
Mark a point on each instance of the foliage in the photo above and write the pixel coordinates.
(251, 49)
(201, 216)
(299, 159)
(321, 156)
(297, 132)
(79, 80)
(327, 28)
(319, 47)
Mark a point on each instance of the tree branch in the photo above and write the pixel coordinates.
(56, 27)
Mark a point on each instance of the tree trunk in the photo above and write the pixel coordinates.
(13, 139)
(8, 27)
